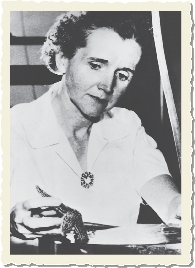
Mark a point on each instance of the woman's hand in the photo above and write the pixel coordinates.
(35, 217)
(163, 196)
(174, 212)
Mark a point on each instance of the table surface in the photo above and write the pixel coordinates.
(138, 239)
(135, 239)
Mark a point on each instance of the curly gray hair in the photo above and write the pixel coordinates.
(71, 30)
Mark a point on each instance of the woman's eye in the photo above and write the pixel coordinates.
(123, 75)
(94, 65)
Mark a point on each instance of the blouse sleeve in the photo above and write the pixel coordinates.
(148, 161)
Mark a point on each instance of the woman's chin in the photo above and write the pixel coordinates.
(93, 113)
(96, 114)
(93, 117)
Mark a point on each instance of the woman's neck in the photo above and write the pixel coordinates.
(68, 115)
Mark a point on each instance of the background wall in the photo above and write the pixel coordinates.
(28, 24)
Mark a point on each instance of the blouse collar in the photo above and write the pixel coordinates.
(43, 129)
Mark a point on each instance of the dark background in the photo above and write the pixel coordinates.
(143, 95)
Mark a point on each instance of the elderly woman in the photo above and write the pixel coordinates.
(75, 144)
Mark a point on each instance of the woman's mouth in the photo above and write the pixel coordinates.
(99, 100)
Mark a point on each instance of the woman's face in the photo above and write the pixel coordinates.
(99, 73)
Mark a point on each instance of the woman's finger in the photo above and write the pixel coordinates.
(47, 213)
(52, 231)
(41, 202)
(20, 215)
(34, 223)
(33, 236)
(27, 233)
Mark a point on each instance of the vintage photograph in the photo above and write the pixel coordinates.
(95, 132)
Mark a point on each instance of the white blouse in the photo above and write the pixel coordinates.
(121, 156)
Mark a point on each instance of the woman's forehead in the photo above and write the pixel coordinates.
(106, 44)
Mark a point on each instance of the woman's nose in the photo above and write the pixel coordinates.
(107, 83)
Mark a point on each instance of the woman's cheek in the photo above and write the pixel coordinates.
(115, 97)
(121, 89)
(89, 80)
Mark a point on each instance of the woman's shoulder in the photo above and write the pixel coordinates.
(17, 112)
(24, 111)
(34, 107)
(19, 109)
(119, 123)
(125, 116)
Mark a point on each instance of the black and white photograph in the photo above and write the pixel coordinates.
(95, 132)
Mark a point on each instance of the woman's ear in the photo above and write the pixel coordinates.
(61, 63)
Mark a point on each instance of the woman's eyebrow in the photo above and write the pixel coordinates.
(99, 60)
(106, 62)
